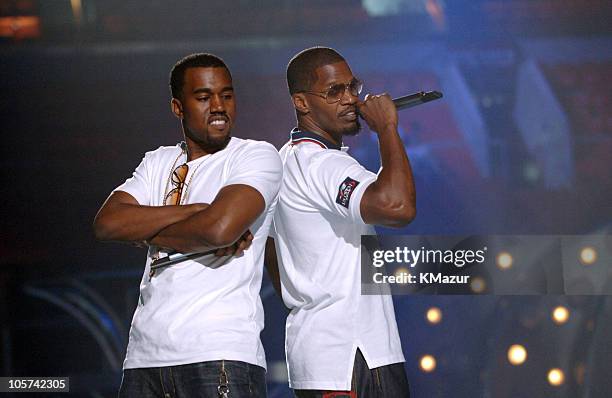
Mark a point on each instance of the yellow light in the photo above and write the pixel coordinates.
(477, 284)
(402, 271)
(517, 354)
(504, 260)
(588, 255)
(434, 315)
(77, 11)
(560, 315)
(427, 363)
(556, 377)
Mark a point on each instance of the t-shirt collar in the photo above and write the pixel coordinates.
(298, 136)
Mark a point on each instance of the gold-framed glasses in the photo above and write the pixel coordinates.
(178, 182)
(335, 92)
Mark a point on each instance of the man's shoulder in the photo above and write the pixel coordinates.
(244, 147)
(329, 158)
(163, 152)
(251, 144)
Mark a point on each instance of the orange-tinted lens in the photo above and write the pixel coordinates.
(355, 87)
(335, 92)
(179, 174)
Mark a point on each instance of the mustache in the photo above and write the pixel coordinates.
(349, 110)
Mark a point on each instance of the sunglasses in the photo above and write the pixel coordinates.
(335, 92)
(178, 181)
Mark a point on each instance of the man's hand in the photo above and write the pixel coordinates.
(379, 112)
(238, 247)
(391, 199)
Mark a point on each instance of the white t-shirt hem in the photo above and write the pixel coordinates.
(346, 385)
(132, 363)
(320, 385)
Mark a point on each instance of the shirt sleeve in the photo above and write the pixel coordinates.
(337, 183)
(139, 184)
(260, 167)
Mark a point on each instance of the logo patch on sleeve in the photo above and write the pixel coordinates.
(345, 191)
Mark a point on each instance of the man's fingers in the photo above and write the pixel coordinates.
(241, 247)
(238, 247)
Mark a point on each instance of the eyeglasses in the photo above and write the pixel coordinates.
(178, 181)
(335, 92)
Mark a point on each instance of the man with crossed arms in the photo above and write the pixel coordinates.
(195, 331)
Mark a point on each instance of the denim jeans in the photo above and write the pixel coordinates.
(203, 379)
(388, 381)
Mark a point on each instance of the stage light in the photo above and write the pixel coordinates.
(401, 272)
(588, 255)
(517, 354)
(477, 284)
(77, 11)
(427, 363)
(434, 315)
(560, 315)
(504, 260)
(556, 377)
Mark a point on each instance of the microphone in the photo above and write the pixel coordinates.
(176, 257)
(408, 101)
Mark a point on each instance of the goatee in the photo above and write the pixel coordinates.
(210, 144)
(353, 130)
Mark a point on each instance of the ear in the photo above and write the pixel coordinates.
(177, 108)
(300, 103)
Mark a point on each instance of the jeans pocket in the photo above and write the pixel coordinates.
(237, 372)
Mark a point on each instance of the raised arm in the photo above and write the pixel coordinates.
(221, 224)
(391, 199)
(122, 219)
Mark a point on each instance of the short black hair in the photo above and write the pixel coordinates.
(199, 60)
(301, 69)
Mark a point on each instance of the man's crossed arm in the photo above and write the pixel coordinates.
(189, 228)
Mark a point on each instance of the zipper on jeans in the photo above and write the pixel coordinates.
(223, 388)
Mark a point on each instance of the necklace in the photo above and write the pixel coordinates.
(188, 184)
(165, 194)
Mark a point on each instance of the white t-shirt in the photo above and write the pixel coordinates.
(318, 228)
(208, 309)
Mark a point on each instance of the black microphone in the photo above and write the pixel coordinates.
(408, 101)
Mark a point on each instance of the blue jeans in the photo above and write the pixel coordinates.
(203, 379)
(387, 381)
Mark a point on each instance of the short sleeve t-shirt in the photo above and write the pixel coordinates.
(317, 229)
(209, 308)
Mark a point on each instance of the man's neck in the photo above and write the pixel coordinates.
(304, 125)
(196, 150)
